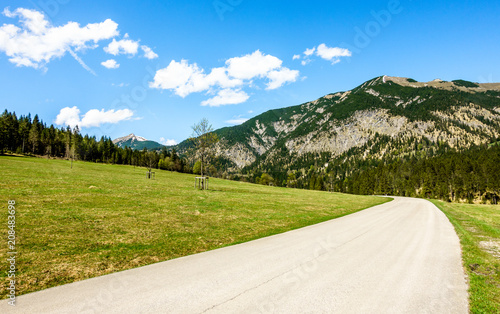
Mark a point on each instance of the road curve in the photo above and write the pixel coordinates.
(399, 257)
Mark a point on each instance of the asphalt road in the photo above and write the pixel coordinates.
(400, 257)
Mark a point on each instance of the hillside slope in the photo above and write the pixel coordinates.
(384, 117)
(97, 219)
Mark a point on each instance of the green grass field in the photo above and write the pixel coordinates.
(95, 219)
(478, 227)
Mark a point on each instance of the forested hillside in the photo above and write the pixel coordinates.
(26, 135)
(388, 136)
(465, 176)
(328, 143)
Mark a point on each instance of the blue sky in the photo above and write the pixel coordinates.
(155, 68)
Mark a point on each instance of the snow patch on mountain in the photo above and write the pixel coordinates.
(132, 137)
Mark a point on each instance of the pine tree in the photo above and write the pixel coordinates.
(34, 135)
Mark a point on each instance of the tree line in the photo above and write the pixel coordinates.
(429, 170)
(415, 167)
(27, 135)
(454, 176)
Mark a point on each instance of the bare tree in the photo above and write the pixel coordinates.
(150, 161)
(71, 154)
(203, 139)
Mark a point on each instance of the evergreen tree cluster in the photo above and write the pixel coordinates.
(414, 167)
(31, 136)
(454, 176)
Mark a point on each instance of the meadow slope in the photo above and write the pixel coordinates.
(96, 219)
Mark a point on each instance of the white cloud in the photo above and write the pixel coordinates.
(123, 46)
(35, 43)
(93, 118)
(252, 65)
(226, 97)
(307, 54)
(332, 54)
(184, 78)
(310, 51)
(296, 57)
(167, 142)
(148, 53)
(110, 64)
(220, 77)
(280, 77)
(237, 121)
(34, 21)
(68, 116)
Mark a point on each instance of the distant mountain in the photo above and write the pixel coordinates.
(385, 118)
(137, 143)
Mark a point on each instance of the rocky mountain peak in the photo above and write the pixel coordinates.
(131, 137)
(364, 123)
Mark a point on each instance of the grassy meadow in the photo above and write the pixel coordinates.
(95, 219)
(478, 227)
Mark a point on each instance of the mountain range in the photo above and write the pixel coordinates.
(386, 117)
(136, 142)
